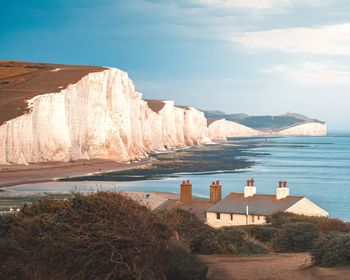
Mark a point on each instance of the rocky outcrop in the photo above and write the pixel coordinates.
(307, 129)
(221, 129)
(100, 116)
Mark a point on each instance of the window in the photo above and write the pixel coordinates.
(253, 218)
(231, 217)
(218, 216)
(258, 217)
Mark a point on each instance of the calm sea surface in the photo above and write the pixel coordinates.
(315, 167)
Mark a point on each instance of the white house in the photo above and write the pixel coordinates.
(249, 208)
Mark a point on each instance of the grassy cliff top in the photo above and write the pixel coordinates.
(21, 81)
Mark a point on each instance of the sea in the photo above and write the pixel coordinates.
(315, 167)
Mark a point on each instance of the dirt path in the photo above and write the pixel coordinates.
(269, 267)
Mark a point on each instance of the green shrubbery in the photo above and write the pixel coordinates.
(238, 241)
(99, 236)
(295, 237)
(203, 239)
(327, 239)
(110, 236)
(262, 233)
(332, 249)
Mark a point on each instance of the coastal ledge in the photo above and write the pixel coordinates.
(11, 175)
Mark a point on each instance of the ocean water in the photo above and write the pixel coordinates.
(315, 167)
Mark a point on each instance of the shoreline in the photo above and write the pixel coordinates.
(12, 175)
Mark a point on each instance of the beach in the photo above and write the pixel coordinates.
(17, 174)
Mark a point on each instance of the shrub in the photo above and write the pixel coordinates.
(237, 241)
(297, 237)
(262, 233)
(332, 249)
(181, 265)
(200, 238)
(98, 236)
(191, 231)
(323, 224)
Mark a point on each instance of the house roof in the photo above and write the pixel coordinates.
(197, 207)
(259, 204)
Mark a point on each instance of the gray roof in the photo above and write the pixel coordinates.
(259, 204)
(197, 207)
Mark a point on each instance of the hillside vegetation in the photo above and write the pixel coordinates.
(110, 236)
(99, 236)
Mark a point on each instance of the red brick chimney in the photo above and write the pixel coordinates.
(215, 191)
(186, 191)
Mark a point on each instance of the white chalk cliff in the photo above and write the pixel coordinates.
(100, 116)
(307, 129)
(221, 129)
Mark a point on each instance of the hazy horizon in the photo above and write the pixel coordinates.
(263, 57)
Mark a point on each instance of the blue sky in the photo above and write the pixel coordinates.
(253, 56)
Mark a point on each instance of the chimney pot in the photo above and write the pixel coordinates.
(252, 182)
(183, 182)
(218, 182)
(285, 184)
(188, 181)
(280, 184)
(248, 183)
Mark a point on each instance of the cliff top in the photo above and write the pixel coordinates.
(211, 120)
(155, 105)
(21, 81)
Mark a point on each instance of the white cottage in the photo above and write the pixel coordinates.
(250, 208)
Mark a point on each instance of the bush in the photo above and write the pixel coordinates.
(191, 231)
(98, 236)
(298, 237)
(332, 249)
(262, 233)
(183, 266)
(323, 224)
(235, 240)
(201, 238)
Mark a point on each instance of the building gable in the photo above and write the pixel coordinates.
(307, 207)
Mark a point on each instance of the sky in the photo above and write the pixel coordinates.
(260, 57)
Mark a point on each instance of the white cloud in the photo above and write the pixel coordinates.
(256, 4)
(329, 39)
(312, 73)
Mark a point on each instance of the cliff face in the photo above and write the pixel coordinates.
(221, 129)
(100, 116)
(308, 129)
